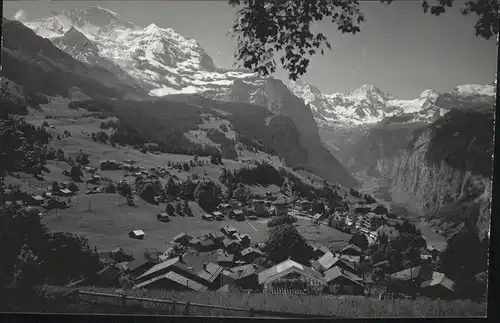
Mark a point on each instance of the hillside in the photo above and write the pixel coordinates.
(449, 162)
(30, 60)
(165, 63)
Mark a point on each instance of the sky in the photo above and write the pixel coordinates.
(400, 49)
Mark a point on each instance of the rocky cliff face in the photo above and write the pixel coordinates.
(446, 170)
(279, 100)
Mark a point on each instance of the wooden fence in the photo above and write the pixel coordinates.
(187, 308)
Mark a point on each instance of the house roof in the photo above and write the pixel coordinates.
(163, 214)
(227, 242)
(179, 236)
(336, 272)
(286, 267)
(244, 271)
(164, 265)
(238, 212)
(217, 213)
(194, 241)
(177, 278)
(407, 274)
(208, 242)
(207, 215)
(250, 250)
(317, 216)
(138, 232)
(351, 247)
(65, 191)
(225, 258)
(328, 261)
(439, 279)
(211, 272)
(382, 263)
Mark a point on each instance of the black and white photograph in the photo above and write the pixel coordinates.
(247, 158)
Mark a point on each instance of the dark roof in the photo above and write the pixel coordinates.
(352, 247)
(179, 236)
(207, 243)
(335, 272)
(382, 263)
(225, 258)
(328, 261)
(286, 267)
(250, 250)
(164, 265)
(244, 271)
(408, 274)
(439, 279)
(177, 278)
(210, 273)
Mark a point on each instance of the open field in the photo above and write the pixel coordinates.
(108, 223)
(103, 218)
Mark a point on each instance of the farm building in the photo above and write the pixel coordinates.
(228, 230)
(208, 217)
(217, 237)
(218, 214)
(351, 253)
(121, 255)
(173, 264)
(232, 246)
(238, 215)
(344, 281)
(246, 276)
(137, 234)
(163, 217)
(328, 261)
(226, 260)
(182, 238)
(408, 280)
(319, 217)
(34, 200)
(291, 277)
(206, 245)
(172, 281)
(211, 273)
(110, 165)
(139, 266)
(439, 286)
(319, 251)
(65, 192)
(250, 254)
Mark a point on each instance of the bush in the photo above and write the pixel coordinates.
(110, 188)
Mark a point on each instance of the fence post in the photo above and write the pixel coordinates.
(251, 312)
(173, 307)
(123, 299)
(186, 309)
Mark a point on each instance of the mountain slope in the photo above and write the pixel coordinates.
(31, 61)
(449, 164)
(164, 63)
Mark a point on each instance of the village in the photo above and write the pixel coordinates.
(226, 259)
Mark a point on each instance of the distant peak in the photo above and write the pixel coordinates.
(429, 94)
(152, 28)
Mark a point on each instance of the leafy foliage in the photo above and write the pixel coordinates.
(208, 195)
(265, 29)
(286, 242)
(281, 220)
(31, 255)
